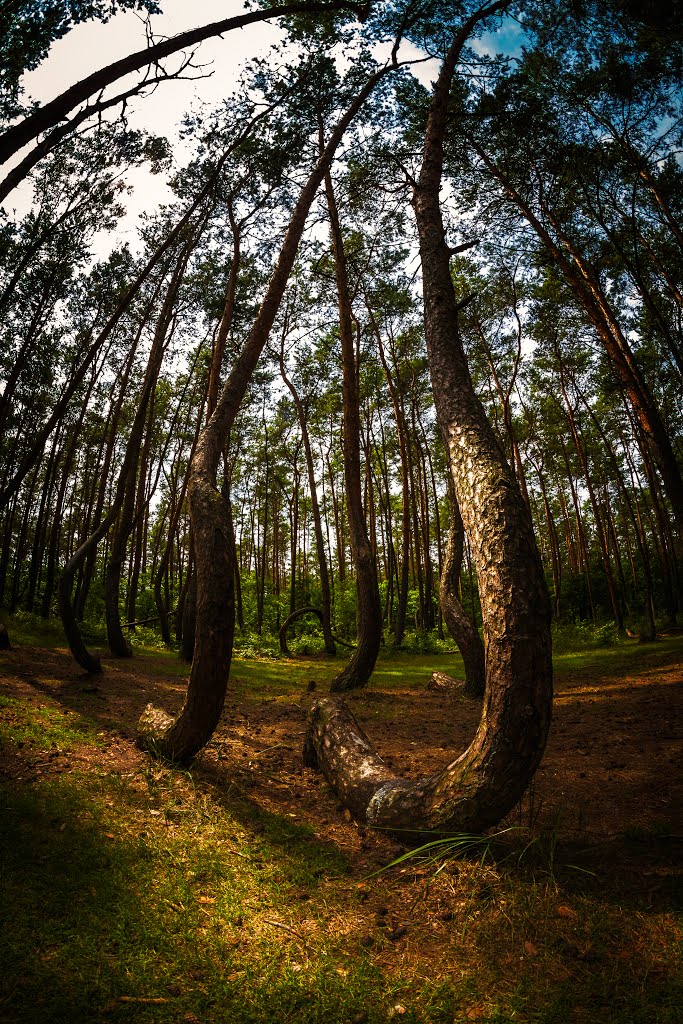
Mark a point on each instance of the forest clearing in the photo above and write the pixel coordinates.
(239, 891)
(341, 511)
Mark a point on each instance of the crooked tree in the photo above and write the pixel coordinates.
(183, 737)
(478, 788)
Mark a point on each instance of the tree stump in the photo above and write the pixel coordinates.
(152, 726)
(441, 682)
(5, 645)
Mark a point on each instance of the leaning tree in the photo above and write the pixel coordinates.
(182, 738)
(480, 786)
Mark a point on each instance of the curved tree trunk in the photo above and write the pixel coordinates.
(368, 605)
(298, 614)
(459, 624)
(192, 729)
(480, 786)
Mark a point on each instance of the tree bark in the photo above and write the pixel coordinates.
(192, 729)
(480, 786)
(368, 606)
(462, 628)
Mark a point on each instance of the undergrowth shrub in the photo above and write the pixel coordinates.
(423, 641)
(250, 645)
(306, 643)
(147, 636)
(584, 635)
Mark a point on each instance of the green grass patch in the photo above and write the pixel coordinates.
(147, 889)
(26, 628)
(44, 727)
(142, 887)
(121, 887)
(627, 657)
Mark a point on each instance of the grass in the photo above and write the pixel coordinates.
(627, 656)
(264, 675)
(146, 887)
(123, 885)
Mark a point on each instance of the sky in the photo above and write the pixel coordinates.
(93, 45)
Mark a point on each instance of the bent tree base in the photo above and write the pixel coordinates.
(298, 614)
(480, 786)
(470, 794)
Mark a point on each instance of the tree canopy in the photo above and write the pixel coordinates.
(405, 346)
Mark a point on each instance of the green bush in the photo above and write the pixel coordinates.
(424, 641)
(147, 636)
(607, 635)
(250, 645)
(584, 635)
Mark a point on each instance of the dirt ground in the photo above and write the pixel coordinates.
(612, 767)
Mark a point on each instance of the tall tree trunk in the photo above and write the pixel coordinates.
(325, 592)
(79, 371)
(555, 558)
(183, 737)
(161, 574)
(125, 483)
(21, 542)
(590, 295)
(399, 417)
(460, 625)
(107, 447)
(40, 529)
(263, 554)
(599, 526)
(142, 499)
(368, 607)
(126, 513)
(478, 788)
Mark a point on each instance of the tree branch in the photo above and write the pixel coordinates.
(46, 117)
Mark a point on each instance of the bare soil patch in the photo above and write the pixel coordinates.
(611, 768)
(577, 904)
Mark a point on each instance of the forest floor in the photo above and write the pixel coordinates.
(240, 891)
